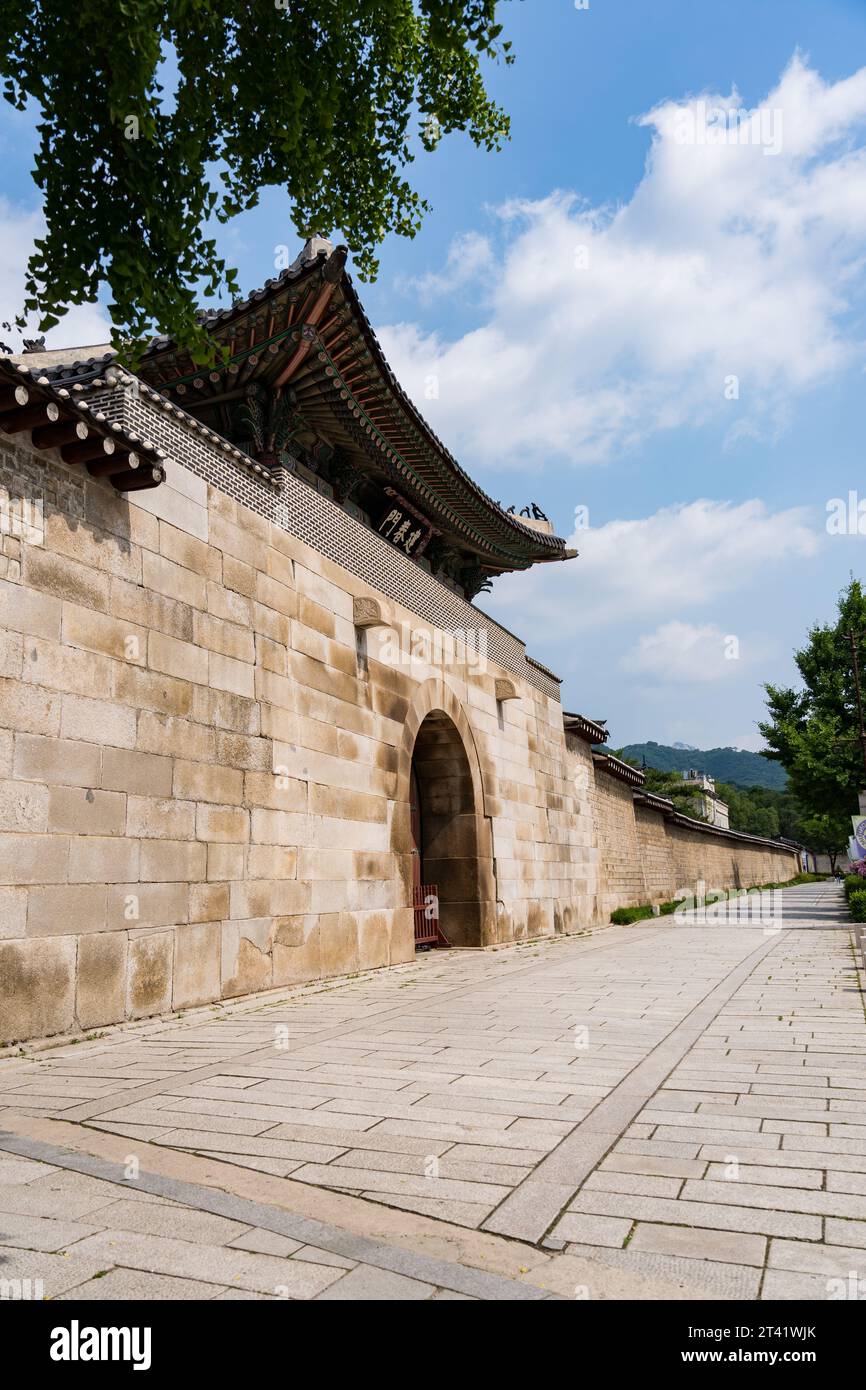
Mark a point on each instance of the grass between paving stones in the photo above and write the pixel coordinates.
(624, 916)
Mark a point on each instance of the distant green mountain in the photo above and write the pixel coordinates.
(735, 765)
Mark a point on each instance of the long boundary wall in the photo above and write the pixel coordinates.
(646, 854)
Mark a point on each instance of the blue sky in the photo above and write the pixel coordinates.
(623, 314)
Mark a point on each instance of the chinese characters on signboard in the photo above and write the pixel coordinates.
(401, 529)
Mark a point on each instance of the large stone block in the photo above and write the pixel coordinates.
(33, 859)
(138, 774)
(175, 738)
(23, 806)
(182, 500)
(239, 577)
(227, 712)
(348, 805)
(107, 510)
(83, 811)
(297, 950)
(227, 824)
(29, 708)
(101, 981)
(101, 859)
(97, 721)
(193, 554)
(149, 974)
(68, 669)
(224, 862)
(66, 909)
(173, 580)
(241, 751)
(280, 828)
(11, 653)
(270, 593)
(226, 603)
(157, 611)
(183, 660)
(200, 782)
(339, 943)
(160, 818)
(196, 964)
(65, 578)
(232, 676)
(58, 760)
(402, 936)
(98, 632)
(246, 962)
(209, 902)
(272, 861)
(139, 905)
(92, 547)
(269, 898)
(37, 987)
(28, 611)
(374, 940)
(13, 912)
(275, 791)
(164, 861)
(225, 638)
(277, 627)
(235, 541)
(153, 690)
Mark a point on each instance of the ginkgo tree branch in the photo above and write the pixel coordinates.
(156, 118)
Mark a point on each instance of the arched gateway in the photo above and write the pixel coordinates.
(443, 831)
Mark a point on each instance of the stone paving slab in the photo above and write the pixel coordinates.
(681, 1100)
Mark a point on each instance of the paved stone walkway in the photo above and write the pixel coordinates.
(681, 1103)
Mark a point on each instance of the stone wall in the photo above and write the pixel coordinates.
(205, 763)
(207, 727)
(640, 855)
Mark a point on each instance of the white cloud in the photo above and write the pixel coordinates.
(470, 259)
(85, 324)
(679, 653)
(680, 558)
(607, 324)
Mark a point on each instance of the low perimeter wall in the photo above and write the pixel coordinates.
(645, 855)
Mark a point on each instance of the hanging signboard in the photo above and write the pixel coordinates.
(403, 526)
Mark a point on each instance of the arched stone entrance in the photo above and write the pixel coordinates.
(442, 825)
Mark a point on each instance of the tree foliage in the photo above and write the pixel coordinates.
(754, 810)
(737, 765)
(812, 731)
(156, 117)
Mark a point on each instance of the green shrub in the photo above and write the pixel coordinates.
(857, 903)
(624, 916)
(852, 883)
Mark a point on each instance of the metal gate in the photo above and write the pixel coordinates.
(425, 900)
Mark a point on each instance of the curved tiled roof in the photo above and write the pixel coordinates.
(332, 359)
(101, 445)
